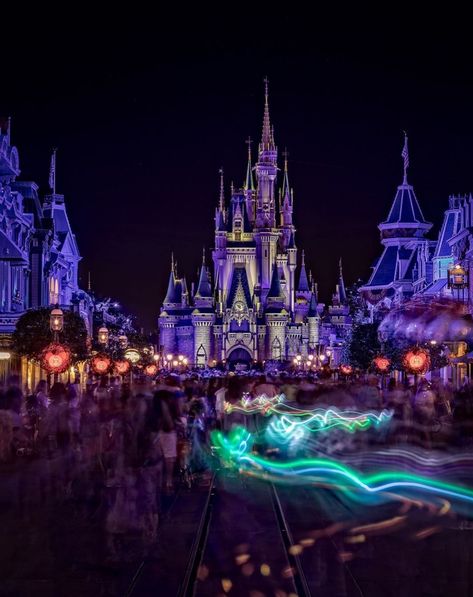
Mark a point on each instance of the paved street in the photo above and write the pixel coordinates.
(61, 549)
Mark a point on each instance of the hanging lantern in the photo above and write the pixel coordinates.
(101, 364)
(416, 360)
(151, 369)
(55, 358)
(123, 341)
(103, 335)
(132, 355)
(457, 277)
(381, 363)
(56, 320)
(121, 366)
(346, 369)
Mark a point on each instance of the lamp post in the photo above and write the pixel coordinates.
(103, 335)
(56, 325)
(458, 281)
(56, 322)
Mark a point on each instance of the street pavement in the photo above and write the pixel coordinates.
(56, 548)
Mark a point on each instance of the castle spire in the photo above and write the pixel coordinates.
(303, 282)
(267, 131)
(249, 185)
(52, 172)
(222, 192)
(285, 183)
(342, 295)
(405, 157)
(171, 292)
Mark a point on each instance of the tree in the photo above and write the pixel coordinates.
(363, 345)
(32, 334)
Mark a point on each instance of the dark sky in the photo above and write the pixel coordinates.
(144, 115)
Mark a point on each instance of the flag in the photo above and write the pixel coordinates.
(405, 154)
(52, 172)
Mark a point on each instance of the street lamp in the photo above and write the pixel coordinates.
(103, 336)
(458, 279)
(56, 320)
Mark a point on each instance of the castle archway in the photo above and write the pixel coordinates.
(239, 358)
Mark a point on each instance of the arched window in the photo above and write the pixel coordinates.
(276, 350)
(201, 356)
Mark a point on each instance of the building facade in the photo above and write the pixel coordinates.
(39, 257)
(260, 304)
(412, 265)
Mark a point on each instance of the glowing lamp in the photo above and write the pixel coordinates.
(180, 358)
(151, 369)
(185, 361)
(169, 357)
(55, 358)
(311, 357)
(56, 320)
(322, 357)
(416, 360)
(132, 355)
(457, 277)
(122, 366)
(5, 356)
(381, 363)
(101, 364)
(175, 363)
(346, 369)
(103, 335)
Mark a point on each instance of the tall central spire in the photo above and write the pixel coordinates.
(267, 136)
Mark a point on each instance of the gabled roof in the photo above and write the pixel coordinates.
(385, 270)
(239, 284)
(448, 230)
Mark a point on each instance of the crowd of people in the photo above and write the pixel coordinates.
(121, 450)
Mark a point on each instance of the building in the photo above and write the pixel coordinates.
(260, 304)
(412, 265)
(39, 257)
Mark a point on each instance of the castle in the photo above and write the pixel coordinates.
(261, 304)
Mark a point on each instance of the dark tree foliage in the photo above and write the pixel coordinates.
(356, 303)
(32, 334)
(363, 346)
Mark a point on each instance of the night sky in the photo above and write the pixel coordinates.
(143, 118)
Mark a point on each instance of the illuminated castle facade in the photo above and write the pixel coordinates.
(260, 303)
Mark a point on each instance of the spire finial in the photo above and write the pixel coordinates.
(303, 257)
(89, 283)
(9, 130)
(232, 188)
(172, 262)
(222, 191)
(52, 171)
(249, 172)
(340, 267)
(285, 154)
(203, 256)
(405, 156)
